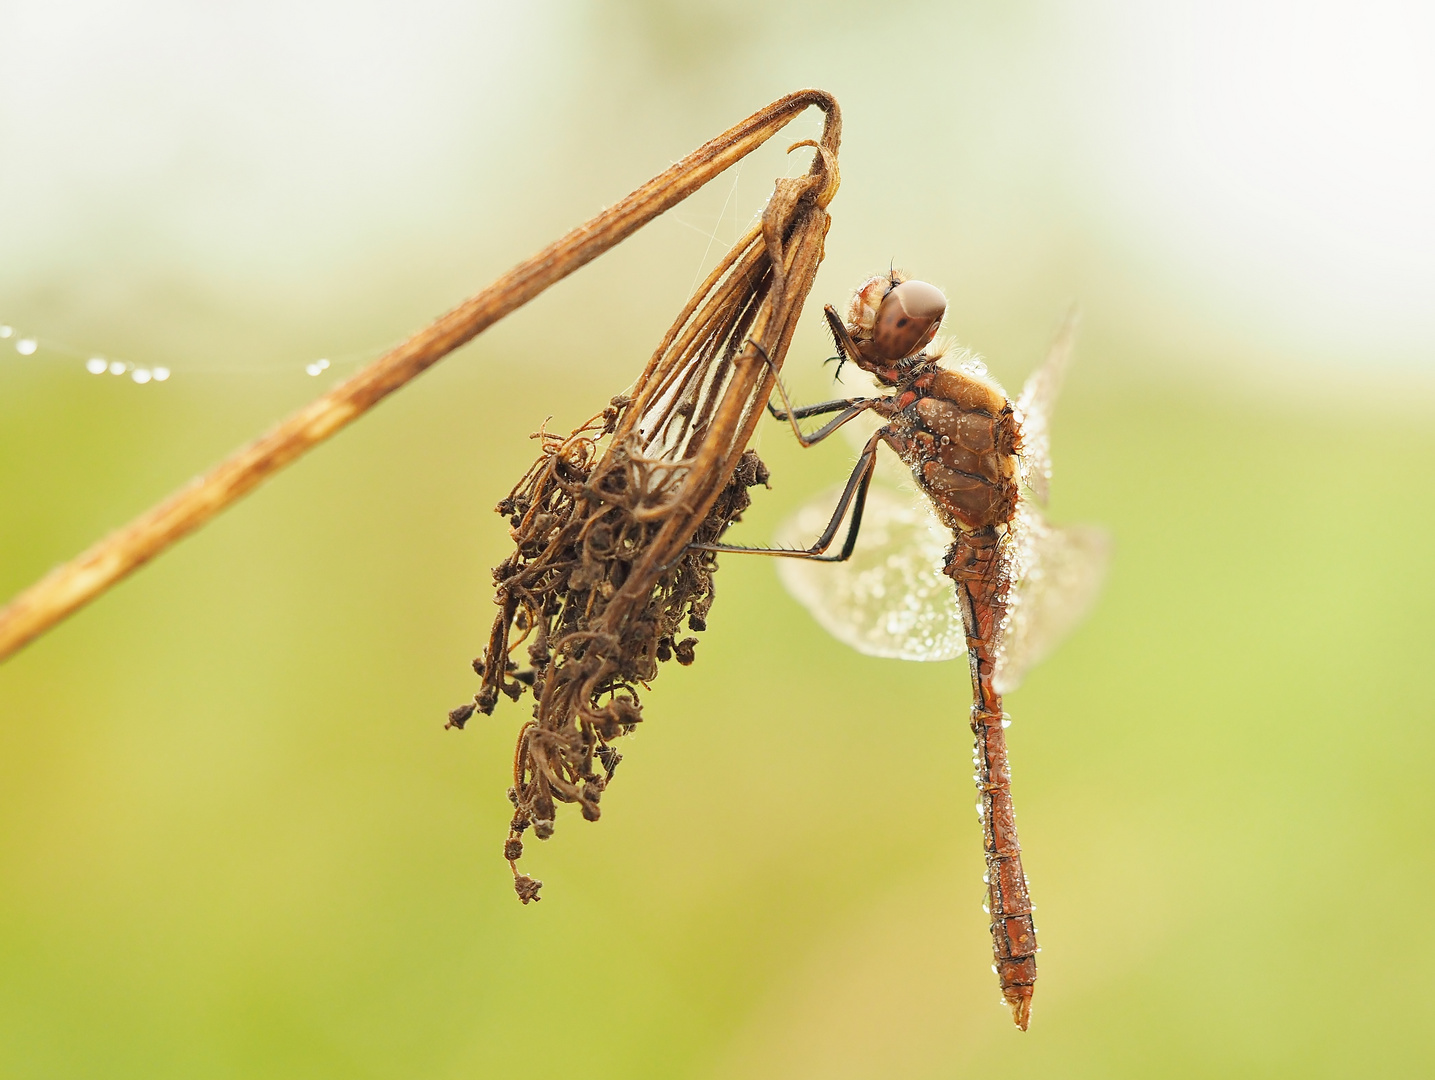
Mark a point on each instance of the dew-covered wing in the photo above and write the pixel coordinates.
(1057, 573)
(1033, 411)
(890, 598)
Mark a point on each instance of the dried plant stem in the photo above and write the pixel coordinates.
(79, 581)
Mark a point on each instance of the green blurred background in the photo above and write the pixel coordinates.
(234, 838)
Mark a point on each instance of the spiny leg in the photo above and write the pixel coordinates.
(847, 348)
(850, 407)
(802, 412)
(854, 494)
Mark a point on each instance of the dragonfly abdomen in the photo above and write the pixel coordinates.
(975, 564)
(1008, 901)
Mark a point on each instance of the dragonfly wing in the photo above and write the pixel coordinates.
(1033, 411)
(890, 598)
(1057, 574)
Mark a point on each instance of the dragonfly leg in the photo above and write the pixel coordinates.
(854, 495)
(802, 412)
(846, 347)
(849, 407)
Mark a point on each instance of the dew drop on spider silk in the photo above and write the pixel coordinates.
(26, 346)
(160, 374)
(1005, 722)
(313, 369)
(141, 375)
(6, 331)
(117, 367)
(97, 365)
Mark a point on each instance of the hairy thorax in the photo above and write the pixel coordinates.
(956, 431)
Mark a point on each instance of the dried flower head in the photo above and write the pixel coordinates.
(602, 582)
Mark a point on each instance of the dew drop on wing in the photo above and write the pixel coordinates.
(890, 598)
(1057, 574)
(1033, 410)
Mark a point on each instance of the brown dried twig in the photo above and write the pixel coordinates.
(74, 584)
(603, 574)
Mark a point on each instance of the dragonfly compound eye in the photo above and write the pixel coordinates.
(907, 320)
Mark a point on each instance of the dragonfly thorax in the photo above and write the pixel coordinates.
(957, 432)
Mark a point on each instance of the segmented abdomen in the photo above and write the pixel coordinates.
(975, 564)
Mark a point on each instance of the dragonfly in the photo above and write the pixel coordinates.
(965, 563)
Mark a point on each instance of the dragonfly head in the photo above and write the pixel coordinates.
(891, 319)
